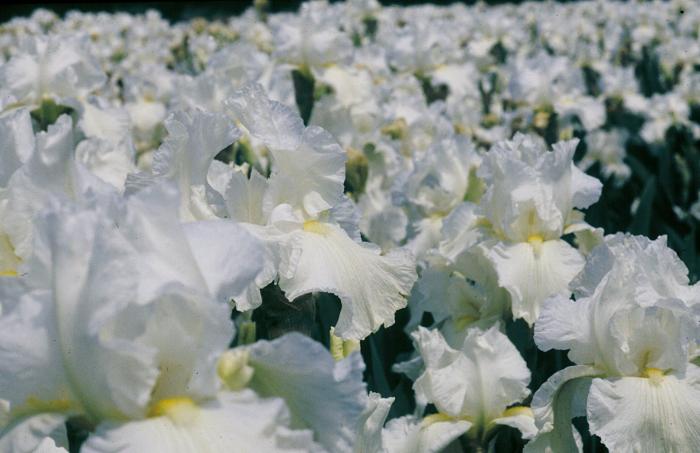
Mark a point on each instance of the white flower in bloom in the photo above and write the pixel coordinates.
(128, 326)
(240, 421)
(49, 171)
(608, 149)
(108, 151)
(311, 39)
(309, 226)
(474, 384)
(441, 179)
(351, 111)
(57, 67)
(49, 164)
(163, 183)
(529, 204)
(631, 333)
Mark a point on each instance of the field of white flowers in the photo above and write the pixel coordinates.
(352, 228)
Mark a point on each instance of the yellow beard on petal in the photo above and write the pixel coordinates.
(536, 240)
(441, 417)
(462, 322)
(314, 226)
(654, 375)
(437, 418)
(35, 405)
(518, 410)
(180, 409)
(8, 260)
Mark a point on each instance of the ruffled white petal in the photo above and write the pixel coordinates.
(634, 414)
(586, 189)
(111, 162)
(277, 125)
(194, 138)
(531, 272)
(480, 380)
(322, 394)
(308, 164)
(49, 171)
(460, 231)
(30, 359)
(42, 433)
(311, 176)
(187, 335)
(565, 324)
(371, 287)
(101, 121)
(244, 197)
(93, 284)
(234, 422)
(151, 224)
(52, 68)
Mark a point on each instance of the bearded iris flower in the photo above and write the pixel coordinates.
(528, 205)
(632, 333)
(474, 388)
(127, 327)
(309, 225)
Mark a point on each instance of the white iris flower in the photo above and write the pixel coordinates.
(632, 333)
(310, 227)
(473, 387)
(529, 204)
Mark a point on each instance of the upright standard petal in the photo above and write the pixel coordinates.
(478, 381)
(308, 168)
(194, 138)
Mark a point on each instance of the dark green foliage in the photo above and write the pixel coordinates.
(499, 52)
(304, 92)
(381, 351)
(371, 26)
(592, 80)
(648, 71)
(432, 92)
(277, 315)
(47, 114)
(356, 173)
(77, 430)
